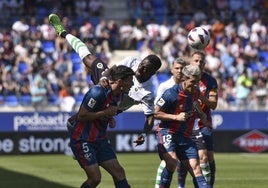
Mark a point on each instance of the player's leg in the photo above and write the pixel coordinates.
(190, 160)
(209, 142)
(182, 173)
(204, 164)
(200, 141)
(79, 46)
(85, 155)
(159, 172)
(117, 172)
(108, 160)
(166, 150)
(212, 166)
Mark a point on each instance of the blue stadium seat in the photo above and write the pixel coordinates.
(78, 99)
(48, 46)
(95, 20)
(11, 100)
(53, 100)
(42, 12)
(25, 100)
(75, 58)
(1, 100)
(22, 67)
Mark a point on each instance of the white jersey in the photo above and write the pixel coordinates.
(163, 87)
(140, 93)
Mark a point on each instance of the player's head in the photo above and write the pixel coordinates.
(147, 68)
(198, 58)
(191, 76)
(176, 69)
(121, 78)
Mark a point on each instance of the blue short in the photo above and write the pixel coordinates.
(88, 153)
(185, 148)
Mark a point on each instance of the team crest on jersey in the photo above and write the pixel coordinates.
(99, 65)
(202, 88)
(161, 102)
(91, 103)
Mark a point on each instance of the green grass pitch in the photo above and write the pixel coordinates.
(59, 171)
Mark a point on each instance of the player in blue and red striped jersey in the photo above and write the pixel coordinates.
(88, 139)
(201, 135)
(177, 110)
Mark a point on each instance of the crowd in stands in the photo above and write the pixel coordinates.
(40, 69)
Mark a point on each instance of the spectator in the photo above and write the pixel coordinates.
(38, 94)
(243, 88)
(126, 31)
(66, 98)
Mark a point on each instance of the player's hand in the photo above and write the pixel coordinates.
(112, 123)
(140, 140)
(104, 82)
(111, 111)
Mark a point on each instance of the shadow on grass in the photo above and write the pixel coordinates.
(11, 179)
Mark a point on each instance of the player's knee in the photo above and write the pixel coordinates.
(171, 164)
(203, 158)
(94, 181)
(119, 173)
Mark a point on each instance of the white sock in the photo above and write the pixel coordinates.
(78, 45)
(206, 171)
(161, 166)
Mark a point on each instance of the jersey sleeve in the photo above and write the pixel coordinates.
(94, 99)
(148, 104)
(167, 100)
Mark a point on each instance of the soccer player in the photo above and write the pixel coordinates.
(176, 110)
(201, 135)
(142, 90)
(176, 78)
(88, 139)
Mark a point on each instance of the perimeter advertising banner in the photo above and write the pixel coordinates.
(24, 143)
(127, 121)
(46, 133)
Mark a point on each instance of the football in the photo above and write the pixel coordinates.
(198, 38)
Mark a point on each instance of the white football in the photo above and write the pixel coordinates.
(198, 38)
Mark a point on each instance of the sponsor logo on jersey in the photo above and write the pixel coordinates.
(91, 103)
(161, 102)
(99, 65)
(254, 141)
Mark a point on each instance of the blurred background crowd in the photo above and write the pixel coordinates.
(39, 69)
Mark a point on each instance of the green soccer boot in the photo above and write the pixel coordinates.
(56, 23)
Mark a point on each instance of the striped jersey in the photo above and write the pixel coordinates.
(175, 101)
(96, 99)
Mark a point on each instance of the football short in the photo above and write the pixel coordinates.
(185, 148)
(88, 153)
(165, 142)
(203, 139)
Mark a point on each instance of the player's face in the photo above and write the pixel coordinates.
(177, 72)
(198, 60)
(191, 84)
(145, 71)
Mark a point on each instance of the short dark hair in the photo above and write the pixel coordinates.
(119, 72)
(154, 60)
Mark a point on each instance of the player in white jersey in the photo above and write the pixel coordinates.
(141, 92)
(176, 78)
